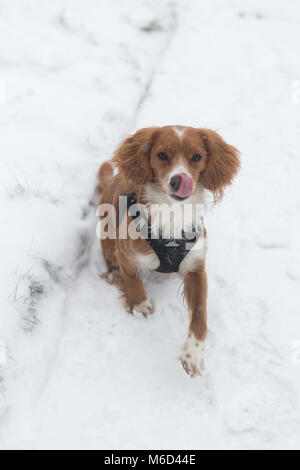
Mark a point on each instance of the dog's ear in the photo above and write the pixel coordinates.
(222, 163)
(132, 158)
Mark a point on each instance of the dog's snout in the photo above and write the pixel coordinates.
(181, 186)
(175, 183)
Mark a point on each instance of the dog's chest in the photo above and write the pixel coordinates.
(148, 261)
(176, 236)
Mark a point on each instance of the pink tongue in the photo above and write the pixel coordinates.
(186, 186)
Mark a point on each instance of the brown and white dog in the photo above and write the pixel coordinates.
(170, 165)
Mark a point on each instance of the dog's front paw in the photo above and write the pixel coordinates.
(192, 357)
(145, 308)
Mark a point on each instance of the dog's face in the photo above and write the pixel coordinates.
(176, 160)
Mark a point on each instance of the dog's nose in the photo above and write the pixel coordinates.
(175, 183)
(181, 185)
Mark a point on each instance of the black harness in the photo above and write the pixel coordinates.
(170, 251)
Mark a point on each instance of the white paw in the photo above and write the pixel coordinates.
(192, 357)
(145, 308)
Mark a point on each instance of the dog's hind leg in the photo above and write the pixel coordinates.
(113, 273)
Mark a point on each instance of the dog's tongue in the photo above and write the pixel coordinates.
(186, 186)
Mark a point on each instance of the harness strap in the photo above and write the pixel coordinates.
(170, 251)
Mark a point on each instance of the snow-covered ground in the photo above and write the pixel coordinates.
(77, 371)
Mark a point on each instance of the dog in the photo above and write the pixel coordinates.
(169, 167)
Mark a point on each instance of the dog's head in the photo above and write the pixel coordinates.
(177, 160)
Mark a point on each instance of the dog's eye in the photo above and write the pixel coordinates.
(162, 156)
(196, 157)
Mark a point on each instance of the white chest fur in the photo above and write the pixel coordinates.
(170, 218)
(149, 261)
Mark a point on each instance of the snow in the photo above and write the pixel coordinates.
(75, 78)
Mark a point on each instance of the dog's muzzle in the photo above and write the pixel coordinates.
(181, 185)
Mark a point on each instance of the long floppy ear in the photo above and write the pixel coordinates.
(132, 158)
(222, 163)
